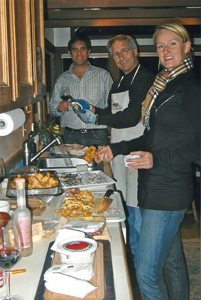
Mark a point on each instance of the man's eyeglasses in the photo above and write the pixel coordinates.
(123, 53)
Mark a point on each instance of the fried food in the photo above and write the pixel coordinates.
(77, 204)
(72, 191)
(90, 154)
(37, 181)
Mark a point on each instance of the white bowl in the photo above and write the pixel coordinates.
(129, 157)
(4, 206)
(77, 250)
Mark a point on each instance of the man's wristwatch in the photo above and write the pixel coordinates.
(96, 120)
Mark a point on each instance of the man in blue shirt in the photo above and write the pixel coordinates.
(86, 82)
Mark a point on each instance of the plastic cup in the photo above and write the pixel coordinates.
(129, 157)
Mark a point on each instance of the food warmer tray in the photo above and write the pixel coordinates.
(54, 191)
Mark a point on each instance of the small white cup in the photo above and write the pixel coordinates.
(4, 206)
(129, 157)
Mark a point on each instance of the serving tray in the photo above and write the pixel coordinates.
(109, 292)
(55, 191)
(97, 280)
(105, 180)
(114, 213)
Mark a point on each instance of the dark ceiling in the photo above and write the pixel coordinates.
(110, 17)
(145, 31)
(102, 19)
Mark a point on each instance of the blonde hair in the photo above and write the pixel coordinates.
(176, 28)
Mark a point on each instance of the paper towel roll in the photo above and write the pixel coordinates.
(11, 120)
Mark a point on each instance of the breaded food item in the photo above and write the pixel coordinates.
(40, 181)
(77, 204)
(84, 196)
(37, 181)
(90, 154)
(34, 183)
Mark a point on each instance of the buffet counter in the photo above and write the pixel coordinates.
(26, 284)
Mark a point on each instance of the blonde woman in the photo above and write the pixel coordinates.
(169, 145)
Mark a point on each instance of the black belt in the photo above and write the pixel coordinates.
(83, 130)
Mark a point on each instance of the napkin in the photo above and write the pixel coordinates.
(79, 271)
(86, 226)
(67, 285)
(91, 219)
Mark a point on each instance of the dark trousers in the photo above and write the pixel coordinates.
(86, 137)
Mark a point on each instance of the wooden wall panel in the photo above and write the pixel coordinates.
(120, 3)
(24, 42)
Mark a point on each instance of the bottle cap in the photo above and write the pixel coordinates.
(20, 182)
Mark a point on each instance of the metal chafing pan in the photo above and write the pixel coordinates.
(54, 191)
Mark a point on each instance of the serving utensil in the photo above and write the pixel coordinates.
(106, 201)
(87, 235)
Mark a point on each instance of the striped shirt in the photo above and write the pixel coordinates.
(93, 87)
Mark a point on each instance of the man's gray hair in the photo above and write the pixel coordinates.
(121, 37)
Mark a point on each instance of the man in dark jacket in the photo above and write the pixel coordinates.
(123, 115)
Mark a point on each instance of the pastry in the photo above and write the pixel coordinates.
(90, 154)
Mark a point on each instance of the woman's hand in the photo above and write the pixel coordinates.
(105, 154)
(144, 162)
(63, 105)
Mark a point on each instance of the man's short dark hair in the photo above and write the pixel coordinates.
(82, 38)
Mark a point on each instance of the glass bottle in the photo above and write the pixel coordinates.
(22, 218)
(32, 132)
(34, 141)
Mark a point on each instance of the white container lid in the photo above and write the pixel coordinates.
(77, 246)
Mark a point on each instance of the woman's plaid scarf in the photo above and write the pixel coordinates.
(159, 85)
